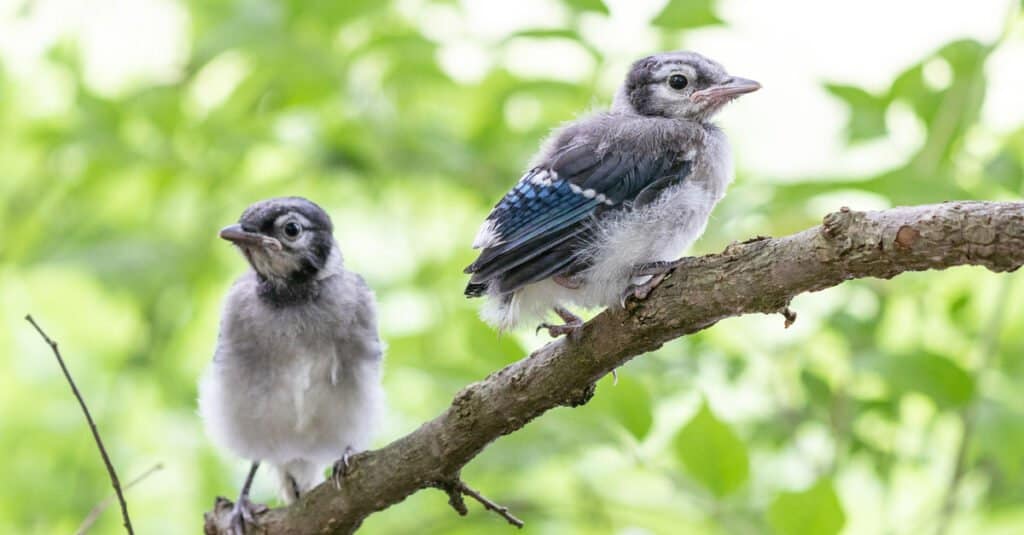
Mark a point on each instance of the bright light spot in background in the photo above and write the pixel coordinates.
(215, 82)
(1004, 108)
(937, 74)
(466, 61)
(522, 112)
(406, 313)
(123, 43)
(626, 35)
(792, 128)
(556, 59)
(490, 20)
(133, 42)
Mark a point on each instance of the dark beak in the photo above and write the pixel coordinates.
(237, 236)
(733, 88)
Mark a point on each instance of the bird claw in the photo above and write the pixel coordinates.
(658, 271)
(341, 467)
(570, 329)
(243, 513)
(556, 330)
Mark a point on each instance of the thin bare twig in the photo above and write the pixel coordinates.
(456, 488)
(96, 511)
(92, 425)
(488, 504)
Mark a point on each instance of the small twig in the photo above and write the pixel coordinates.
(96, 511)
(457, 487)
(788, 315)
(454, 497)
(92, 425)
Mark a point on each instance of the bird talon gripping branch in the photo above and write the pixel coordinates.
(341, 467)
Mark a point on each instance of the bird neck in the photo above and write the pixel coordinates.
(280, 293)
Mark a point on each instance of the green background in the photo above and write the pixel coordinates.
(889, 407)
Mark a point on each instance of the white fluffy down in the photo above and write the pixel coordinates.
(294, 387)
(660, 231)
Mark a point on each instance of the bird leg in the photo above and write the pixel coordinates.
(569, 328)
(656, 270)
(244, 511)
(340, 468)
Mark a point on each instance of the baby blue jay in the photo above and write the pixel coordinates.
(612, 199)
(295, 380)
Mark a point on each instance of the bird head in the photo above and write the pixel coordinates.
(286, 240)
(679, 85)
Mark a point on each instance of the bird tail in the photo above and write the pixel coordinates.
(476, 289)
(501, 311)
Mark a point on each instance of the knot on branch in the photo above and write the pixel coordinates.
(580, 397)
(906, 237)
(836, 224)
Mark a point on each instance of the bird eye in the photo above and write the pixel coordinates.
(677, 81)
(292, 229)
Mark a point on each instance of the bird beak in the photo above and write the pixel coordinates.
(240, 237)
(733, 88)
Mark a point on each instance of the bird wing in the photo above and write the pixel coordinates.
(537, 228)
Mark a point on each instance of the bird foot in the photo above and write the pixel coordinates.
(341, 467)
(569, 329)
(656, 270)
(243, 513)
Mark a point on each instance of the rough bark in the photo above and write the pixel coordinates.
(760, 275)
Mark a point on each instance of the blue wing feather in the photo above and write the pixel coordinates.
(536, 227)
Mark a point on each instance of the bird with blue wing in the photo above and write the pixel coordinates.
(612, 200)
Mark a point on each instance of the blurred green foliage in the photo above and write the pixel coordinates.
(891, 406)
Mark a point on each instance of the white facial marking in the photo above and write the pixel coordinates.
(575, 189)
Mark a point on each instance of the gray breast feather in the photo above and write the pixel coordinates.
(295, 383)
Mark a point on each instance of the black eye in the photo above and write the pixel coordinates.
(677, 81)
(292, 229)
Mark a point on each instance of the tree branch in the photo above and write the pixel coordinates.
(758, 276)
(92, 425)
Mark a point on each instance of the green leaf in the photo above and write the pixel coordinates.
(680, 14)
(939, 378)
(629, 402)
(815, 511)
(588, 5)
(1006, 169)
(712, 453)
(818, 390)
(867, 111)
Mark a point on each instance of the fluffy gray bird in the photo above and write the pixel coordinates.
(295, 380)
(613, 199)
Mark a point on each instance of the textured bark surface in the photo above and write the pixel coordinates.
(757, 276)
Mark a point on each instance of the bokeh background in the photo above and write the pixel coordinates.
(132, 130)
